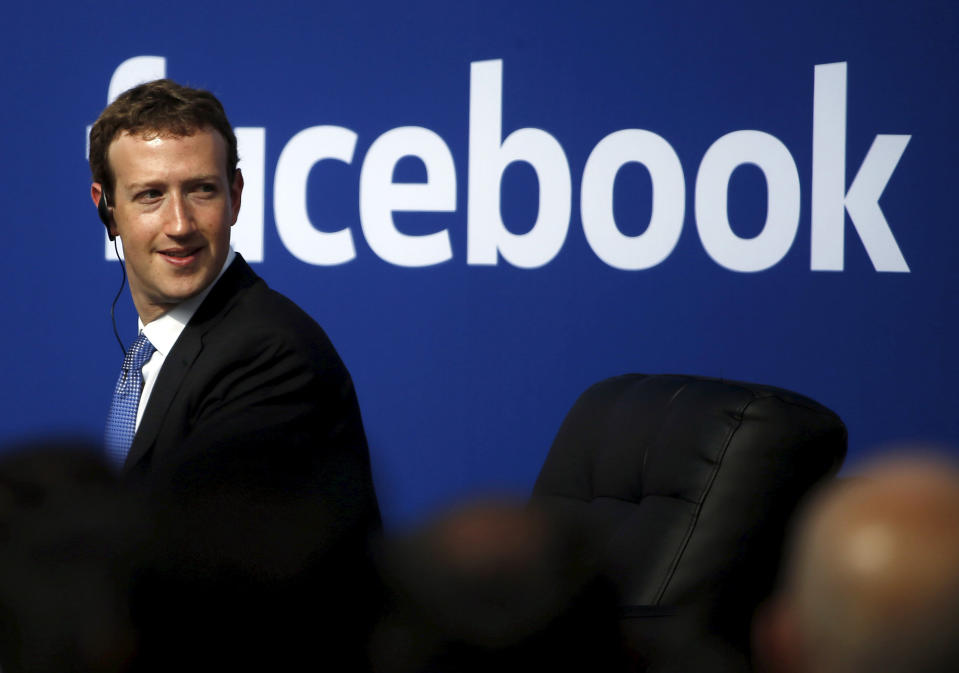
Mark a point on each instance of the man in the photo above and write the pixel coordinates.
(873, 577)
(246, 429)
(235, 362)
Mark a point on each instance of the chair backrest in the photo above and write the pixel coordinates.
(691, 482)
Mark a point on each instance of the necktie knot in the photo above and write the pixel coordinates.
(138, 353)
(121, 423)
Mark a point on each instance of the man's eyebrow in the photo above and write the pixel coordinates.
(150, 184)
(145, 184)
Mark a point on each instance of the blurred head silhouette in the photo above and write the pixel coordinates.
(69, 536)
(495, 586)
(872, 579)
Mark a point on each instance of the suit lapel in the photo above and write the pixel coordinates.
(184, 352)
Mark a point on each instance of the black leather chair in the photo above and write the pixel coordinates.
(690, 483)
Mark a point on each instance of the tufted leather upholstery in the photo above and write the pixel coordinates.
(690, 482)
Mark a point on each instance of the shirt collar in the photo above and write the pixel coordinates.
(165, 330)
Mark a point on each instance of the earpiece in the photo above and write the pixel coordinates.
(106, 216)
(103, 210)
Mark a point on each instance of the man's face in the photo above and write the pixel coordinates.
(172, 208)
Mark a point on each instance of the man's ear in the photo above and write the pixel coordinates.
(104, 209)
(96, 191)
(236, 192)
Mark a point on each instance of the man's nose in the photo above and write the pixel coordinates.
(180, 221)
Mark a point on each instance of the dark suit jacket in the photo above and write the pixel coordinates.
(253, 389)
(253, 450)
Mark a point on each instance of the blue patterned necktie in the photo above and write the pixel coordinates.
(121, 423)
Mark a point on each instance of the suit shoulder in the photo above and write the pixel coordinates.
(262, 315)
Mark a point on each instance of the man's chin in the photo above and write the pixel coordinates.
(171, 297)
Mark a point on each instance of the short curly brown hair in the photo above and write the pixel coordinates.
(157, 108)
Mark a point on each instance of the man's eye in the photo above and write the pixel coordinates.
(149, 195)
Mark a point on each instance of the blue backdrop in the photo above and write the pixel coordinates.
(777, 205)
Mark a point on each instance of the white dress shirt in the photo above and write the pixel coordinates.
(165, 330)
